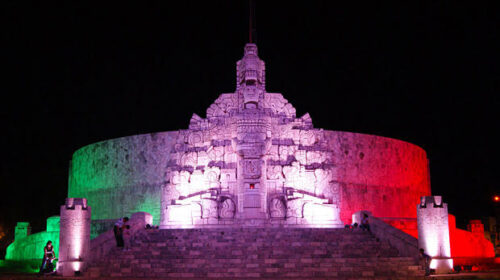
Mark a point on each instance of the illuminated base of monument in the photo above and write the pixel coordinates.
(254, 223)
(218, 209)
(195, 215)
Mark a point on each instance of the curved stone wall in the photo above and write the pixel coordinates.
(382, 175)
(125, 175)
(122, 176)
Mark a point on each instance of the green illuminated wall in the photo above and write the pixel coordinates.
(122, 176)
(31, 247)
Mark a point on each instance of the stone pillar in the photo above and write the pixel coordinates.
(434, 233)
(23, 229)
(74, 238)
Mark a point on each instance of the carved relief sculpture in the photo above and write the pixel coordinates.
(235, 165)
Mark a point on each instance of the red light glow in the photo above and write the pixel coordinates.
(496, 198)
(468, 245)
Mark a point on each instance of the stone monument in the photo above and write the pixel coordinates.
(251, 161)
(434, 233)
(74, 238)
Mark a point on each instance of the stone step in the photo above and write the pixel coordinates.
(265, 264)
(343, 271)
(240, 255)
(236, 250)
(146, 269)
(268, 265)
(257, 233)
(255, 243)
(269, 273)
(256, 253)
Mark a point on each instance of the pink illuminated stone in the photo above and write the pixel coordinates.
(74, 237)
(434, 234)
(251, 137)
(252, 152)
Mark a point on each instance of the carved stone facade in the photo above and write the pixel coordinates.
(251, 160)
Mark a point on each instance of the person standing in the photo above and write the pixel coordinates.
(118, 231)
(364, 223)
(126, 237)
(426, 261)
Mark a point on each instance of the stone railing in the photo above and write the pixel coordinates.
(406, 244)
(105, 242)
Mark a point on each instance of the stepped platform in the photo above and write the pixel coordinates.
(229, 253)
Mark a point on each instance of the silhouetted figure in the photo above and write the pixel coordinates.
(126, 237)
(426, 261)
(48, 257)
(118, 231)
(365, 225)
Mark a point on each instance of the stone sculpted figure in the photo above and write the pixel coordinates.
(277, 208)
(209, 208)
(227, 208)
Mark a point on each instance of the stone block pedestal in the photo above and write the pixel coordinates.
(74, 238)
(434, 233)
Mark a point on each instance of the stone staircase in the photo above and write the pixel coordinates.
(256, 253)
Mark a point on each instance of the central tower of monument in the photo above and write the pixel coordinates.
(250, 162)
(253, 127)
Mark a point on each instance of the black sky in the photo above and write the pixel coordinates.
(77, 73)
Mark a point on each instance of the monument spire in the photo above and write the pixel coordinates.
(251, 22)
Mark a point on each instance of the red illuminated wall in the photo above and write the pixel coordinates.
(467, 246)
(408, 225)
(382, 175)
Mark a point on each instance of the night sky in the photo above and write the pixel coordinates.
(78, 73)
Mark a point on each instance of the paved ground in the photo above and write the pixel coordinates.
(464, 276)
(469, 275)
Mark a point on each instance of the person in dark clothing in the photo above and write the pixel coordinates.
(365, 225)
(118, 231)
(426, 261)
(48, 257)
